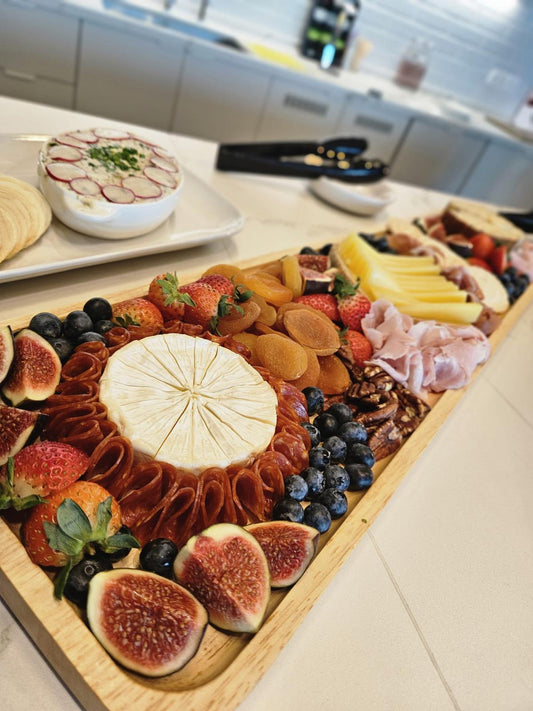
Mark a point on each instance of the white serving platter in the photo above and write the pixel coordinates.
(202, 215)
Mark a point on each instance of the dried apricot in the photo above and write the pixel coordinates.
(230, 271)
(334, 377)
(235, 321)
(270, 288)
(272, 268)
(290, 274)
(311, 330)
(296, 305)
(310, 377)
(249, 340)
(268, 312)
(281, 356)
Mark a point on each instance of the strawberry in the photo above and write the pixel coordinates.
(138, 312)
(477, 262)
(498, 260)
(39, 470)
(360, 346)
(205, 309)
(326, 303)
(76, 520)
(483, 246)
(352, 305)
(165, 294)
(219, 283)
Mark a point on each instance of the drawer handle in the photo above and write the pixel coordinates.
(312, 107)
(19, 75)
(376, 124)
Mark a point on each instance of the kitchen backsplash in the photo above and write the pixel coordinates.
(469, 37)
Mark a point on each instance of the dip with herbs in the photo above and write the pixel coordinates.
(111, 165)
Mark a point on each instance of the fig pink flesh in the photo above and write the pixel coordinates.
(36, 369)
(225, 568)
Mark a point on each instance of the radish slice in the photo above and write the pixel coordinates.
(114, 193)
(112, 134)
(162, 153)
(67, 153)
(165, 164)
(65, 172)
(67, 140)
(85, 186)
(142, 187)
(161, 177)
(86, 136)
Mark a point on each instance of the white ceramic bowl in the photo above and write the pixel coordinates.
(356, 198)
(95, 215)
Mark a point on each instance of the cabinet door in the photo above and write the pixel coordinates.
(300, 110)
(437, 155)
(32, 88)
(220, 98)
(381, 124)
(127, 76)
(503, 175)
(38, 42)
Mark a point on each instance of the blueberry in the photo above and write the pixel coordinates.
(341, 412)
(308, 250)
(327, 425)
(326, 248)
(317, 516)
(319, 457)
(361, 476)
(103, 326)
(314, 433)
(315, 480)
(76, 323)
(77, 585)
(315, 400)
(90, 336)
(352, 432)
(361, 454)
(158, 555)
(119, 553)
(98, 309)
(336, 477)
(288, 510)
(335, 502)
(512, 272)
(46, 325)
(296, 487)
(337, 447)
(62, 347)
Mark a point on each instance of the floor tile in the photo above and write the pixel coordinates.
(458, 539)
(356, 649)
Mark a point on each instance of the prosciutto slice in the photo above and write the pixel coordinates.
(426, 355)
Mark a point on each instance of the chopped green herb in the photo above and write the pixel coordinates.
(115, 157)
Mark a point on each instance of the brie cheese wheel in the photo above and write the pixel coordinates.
(189, 402)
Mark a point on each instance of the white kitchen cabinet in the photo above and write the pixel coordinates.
(383, 125)
(37, 54)
(128, 75)
(221, 97)
(300, 109)
(503, 175)
(437, 155)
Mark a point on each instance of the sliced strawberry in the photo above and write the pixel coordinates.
(483, 245)
(360, 346)
(498, 260)
(476, 262)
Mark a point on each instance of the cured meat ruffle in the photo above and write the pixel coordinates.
(156, 498)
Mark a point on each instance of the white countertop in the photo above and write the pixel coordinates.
(433, 609)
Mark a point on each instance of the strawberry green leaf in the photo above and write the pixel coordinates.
(61, 578)
(344, 287)
(241, 293)
(103, 517)
(119, 540)
(58, 540)
(170, 288)
(126, 320)
(27, 502)
(73, 521)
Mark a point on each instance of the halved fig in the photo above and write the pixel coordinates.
(289, 548)
(226, 570)
(35, 372)
(147, 623)
(315, 282)
(7, 351)
(17, 428)
(65, 172)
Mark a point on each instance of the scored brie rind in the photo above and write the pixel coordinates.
(189, 402)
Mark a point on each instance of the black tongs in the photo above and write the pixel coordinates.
(522, 220)
(337, 158)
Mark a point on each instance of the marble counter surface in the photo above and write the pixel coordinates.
(432, 610)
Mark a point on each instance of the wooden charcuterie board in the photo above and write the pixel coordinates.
(226, 667)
